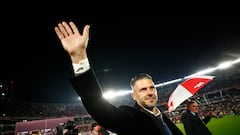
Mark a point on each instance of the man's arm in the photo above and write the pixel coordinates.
(81, 67)
(84, 81)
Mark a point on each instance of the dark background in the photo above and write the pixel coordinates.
(123, 42)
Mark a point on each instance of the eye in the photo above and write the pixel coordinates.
(143, 89)
(152, 87)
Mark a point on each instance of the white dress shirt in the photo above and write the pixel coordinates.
(81, 67)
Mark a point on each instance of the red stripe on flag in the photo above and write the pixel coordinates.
(194, 84)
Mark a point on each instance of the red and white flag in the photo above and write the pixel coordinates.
(187, 89)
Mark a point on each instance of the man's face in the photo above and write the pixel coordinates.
(145, 93)
(193, 107)
(95, 129)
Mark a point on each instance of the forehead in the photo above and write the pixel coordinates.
(194, 105)
(144, 82)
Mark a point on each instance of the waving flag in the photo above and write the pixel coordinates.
(187, 89)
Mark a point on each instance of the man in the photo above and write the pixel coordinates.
(98, 130)
(142, 119)
(94, 129)
(193, 124)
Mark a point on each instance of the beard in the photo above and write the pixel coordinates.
(150, 103)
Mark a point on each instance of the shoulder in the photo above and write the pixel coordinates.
(133, 111)
(185, 114)
(127, 108)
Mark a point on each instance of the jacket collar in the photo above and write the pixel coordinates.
(146, 110)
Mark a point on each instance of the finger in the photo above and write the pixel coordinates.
(74, 28)
(86, 31)
(59, 33)
(62, 29)
(67, 28)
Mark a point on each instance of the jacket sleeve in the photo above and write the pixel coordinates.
(187, 124)
(87, 87)
(206, 119)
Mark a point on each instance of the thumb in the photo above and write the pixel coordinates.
(86, 31)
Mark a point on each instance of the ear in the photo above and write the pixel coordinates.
(133, 96)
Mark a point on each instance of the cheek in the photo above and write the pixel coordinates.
(156, 93)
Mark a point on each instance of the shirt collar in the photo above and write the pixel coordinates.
(157, 110)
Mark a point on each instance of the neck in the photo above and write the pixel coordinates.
(150, 108)
(154, 110)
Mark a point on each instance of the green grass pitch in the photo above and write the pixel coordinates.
(228, 125)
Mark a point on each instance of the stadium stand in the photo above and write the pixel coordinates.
(221, 96)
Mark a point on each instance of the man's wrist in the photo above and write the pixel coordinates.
(81, 67)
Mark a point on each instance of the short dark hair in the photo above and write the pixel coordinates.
(94, 124)
(139, 77)
(190, 102)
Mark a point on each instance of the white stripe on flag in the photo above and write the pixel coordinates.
(176, 97)
(187, 89)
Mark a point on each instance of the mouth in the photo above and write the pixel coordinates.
(150, 99)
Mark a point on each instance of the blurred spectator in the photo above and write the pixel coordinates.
(98, 130)
(36, 132)
(192, 123)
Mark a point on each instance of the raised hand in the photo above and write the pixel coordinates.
(72, 41)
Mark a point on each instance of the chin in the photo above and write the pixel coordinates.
(151, 104)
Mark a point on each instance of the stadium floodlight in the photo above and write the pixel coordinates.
(110, 94)
(168, 82)
(225, 65)
(202, 72)
(236, 61)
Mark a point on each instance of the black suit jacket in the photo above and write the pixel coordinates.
(193, 125)
(123, 120)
